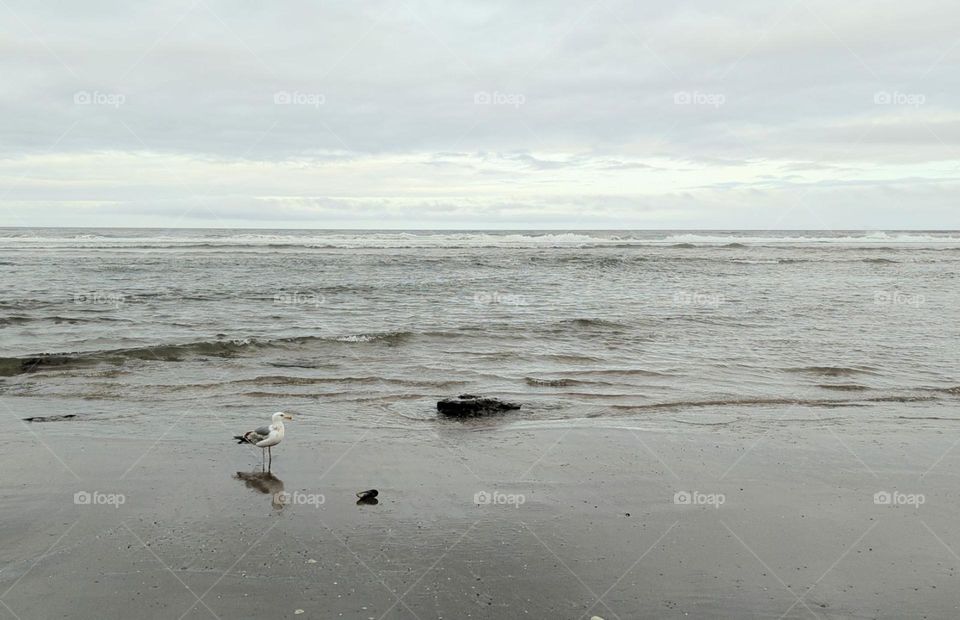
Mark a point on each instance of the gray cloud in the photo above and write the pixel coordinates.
(500, 112)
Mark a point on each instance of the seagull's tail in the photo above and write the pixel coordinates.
(241, 438)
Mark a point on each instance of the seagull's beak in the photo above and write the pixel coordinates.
(287, 416)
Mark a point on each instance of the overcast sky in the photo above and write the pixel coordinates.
(484, 114)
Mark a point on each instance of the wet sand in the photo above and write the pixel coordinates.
(798, 533)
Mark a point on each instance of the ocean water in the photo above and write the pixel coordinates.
(372, 327)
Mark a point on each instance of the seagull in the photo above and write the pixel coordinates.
(266, 436)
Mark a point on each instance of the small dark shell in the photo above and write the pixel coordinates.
(368, 494)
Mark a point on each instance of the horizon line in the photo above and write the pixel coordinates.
(483, 229)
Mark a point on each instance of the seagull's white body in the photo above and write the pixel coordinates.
(266, 436)
(274, 434)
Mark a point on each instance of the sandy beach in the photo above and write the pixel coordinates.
(780, 520)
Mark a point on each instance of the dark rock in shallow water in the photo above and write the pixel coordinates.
(470, 405)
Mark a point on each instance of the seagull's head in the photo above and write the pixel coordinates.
(281, 416)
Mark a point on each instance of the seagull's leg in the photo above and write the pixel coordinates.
(270, 453)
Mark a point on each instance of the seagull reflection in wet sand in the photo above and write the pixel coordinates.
(266, 483)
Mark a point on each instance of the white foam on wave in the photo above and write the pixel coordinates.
(356, 338)
(321, 240)
(440, 239)
(857, 238)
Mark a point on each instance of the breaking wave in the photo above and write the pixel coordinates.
(763, 402)
(833, 371)
(10, 366)
(454, 239)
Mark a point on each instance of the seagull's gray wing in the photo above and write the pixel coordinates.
(254, 436)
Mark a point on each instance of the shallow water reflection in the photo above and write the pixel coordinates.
(264, 482)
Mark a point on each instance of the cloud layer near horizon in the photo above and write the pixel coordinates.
(747, 114)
